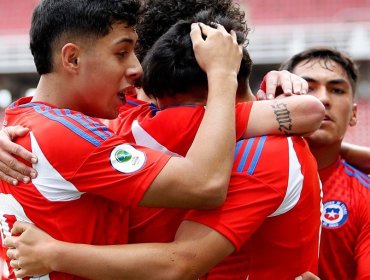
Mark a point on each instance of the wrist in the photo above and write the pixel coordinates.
(54, 256)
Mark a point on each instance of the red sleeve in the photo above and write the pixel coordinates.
(257, 188)
(242, 111)
(249, 201)
(129, 171)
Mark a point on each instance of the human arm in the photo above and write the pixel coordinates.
(356, 155)
(201, 178)
(195, 250)
(296, 114)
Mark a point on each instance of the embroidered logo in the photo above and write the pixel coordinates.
(127, 159)
(335, 214)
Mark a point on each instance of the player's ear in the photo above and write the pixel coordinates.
(70, 56)
(353, 120)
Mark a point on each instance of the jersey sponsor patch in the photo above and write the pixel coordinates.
(127, 159)
(335, 214)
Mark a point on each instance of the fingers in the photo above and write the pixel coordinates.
(20, 227)
(17, 131)
(12, 253)
(18, 271)
(12, 170)
(195, 33)
(216, 50)
(299, 85)
(277, 83)
(281, 82)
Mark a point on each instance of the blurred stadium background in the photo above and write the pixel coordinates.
(279, 29)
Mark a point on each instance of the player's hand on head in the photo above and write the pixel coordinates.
(11, 169)
(29, 250)
(276, 83)
(218, 51)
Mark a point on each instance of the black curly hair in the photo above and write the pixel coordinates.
(160, 15)
(173, 57)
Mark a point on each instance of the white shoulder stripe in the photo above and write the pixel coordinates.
(143, 138)
(295, 183)
(49, 182)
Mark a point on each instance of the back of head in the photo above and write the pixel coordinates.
(55, 22)
(325, 55)
(160, 15)
(170, 67)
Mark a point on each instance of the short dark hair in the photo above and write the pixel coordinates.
(53, 19)
(325, 54)
(170, 66)
(160, 15)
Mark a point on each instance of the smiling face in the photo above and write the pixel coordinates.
(108, 68)
(330, 84)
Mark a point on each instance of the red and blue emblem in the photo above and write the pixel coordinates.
(335, 214)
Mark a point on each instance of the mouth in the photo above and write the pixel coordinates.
(126, 91)
(121, 95)
(327, 118)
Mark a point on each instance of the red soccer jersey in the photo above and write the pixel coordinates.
(272, 211)
(87, 177)
(345, 241)
(171, 131)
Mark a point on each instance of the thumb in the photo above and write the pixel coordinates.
(16, 131)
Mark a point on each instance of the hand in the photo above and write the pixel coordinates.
(219, 52)
(281, 82)
(307, 276)
(11, 169)
(30, 251)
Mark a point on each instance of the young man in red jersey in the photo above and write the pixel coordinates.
(287, 185)
(345, 239)
(87, 176)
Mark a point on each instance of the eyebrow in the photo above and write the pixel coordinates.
(335, 81)
(125, 40)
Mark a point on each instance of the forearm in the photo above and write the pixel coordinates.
(213, 147)
(356, 155)
(288, 115)
(307, 113)
(149, 261)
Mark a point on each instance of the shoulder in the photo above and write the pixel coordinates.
(64, 125)
(356, 176)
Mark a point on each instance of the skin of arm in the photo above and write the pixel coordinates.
(296, 114)
(356, 155)
(196, 249)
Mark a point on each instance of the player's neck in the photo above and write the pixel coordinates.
(325, 155)
(179, 100)
(52, 91)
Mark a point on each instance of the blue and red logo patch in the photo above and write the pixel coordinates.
(335, 214)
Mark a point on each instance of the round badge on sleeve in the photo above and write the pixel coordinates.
(127, 159)
(335, 214)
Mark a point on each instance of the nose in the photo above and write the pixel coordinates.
(134, 71)
(322, 94)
